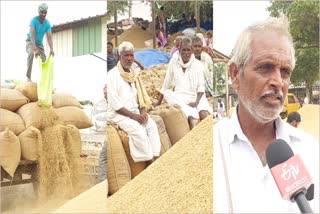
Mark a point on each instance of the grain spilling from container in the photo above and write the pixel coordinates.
(58, 167)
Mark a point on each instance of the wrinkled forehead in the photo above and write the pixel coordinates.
(274, 56)
(185, 45)
(126, 52)
(271, 45)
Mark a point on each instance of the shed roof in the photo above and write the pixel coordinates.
(74, 23)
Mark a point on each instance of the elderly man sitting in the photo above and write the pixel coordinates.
(185, 73)
(126, 106)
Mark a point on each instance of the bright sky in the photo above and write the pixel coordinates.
(231, 17)
(139, 9)
(15, 19)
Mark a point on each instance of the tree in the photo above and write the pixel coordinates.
(219, 78)
(122, 7)
(304, 27)
(176, 8)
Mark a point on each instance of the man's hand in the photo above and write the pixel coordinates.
(36, 52)
(193, 104)
(140, 118)
(156, 104)
(145, 117)
(51, 53)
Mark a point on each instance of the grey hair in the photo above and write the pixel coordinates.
(185, 41)
(196, 39)
(125, 46)
(242, 52)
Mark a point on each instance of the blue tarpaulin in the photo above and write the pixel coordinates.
(151, 57)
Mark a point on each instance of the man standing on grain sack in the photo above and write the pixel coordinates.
(126, 106)
(186, 74)
(39, 26)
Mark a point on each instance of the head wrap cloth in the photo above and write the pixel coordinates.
(42, 7)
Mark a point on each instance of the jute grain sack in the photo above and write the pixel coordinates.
(10, 151)
(135, 167)
(11, 120)
(28, 89)
(180, 181)
(12, 99)
(117, 163)
(164, 138)
(176, 123)
(30, 140)
(75, 116)
(62, 100)
(37, 116)
(91, 201)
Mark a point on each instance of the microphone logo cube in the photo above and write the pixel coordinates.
(291, 176)
(289, 171)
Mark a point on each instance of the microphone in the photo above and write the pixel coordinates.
(289, 173)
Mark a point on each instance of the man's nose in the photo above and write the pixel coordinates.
(276, 80)
(130, 58)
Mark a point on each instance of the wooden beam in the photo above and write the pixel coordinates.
(115, 24)
(227, 89)
(197, 12)
(154, 24)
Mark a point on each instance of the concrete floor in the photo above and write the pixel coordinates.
(22, 198)
(17, 198)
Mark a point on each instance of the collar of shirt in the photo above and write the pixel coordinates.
(282, 130)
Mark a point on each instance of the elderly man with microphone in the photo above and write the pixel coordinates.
(262, 63)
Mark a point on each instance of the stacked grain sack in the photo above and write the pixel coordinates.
(178, 182)
(43, 134)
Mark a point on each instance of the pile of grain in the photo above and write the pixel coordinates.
(180, 181)
(136, 36)
(153, 78)
(310, 119)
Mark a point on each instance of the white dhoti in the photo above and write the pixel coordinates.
(173, 98)
(144, 140)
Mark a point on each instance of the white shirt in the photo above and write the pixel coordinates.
(187, 84)
(208, 71)
(252, 186)
(121, 94)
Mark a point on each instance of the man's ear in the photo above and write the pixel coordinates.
(234, 75)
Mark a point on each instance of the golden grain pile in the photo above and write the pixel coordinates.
(135, 35)
(310, 119)
(153, 78)
(180, 181)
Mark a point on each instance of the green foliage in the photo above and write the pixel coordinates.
(306, 71)
(304, 27)
(219, 78)
(122, 7)
(176, 8)
(86, 102)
